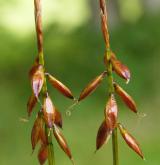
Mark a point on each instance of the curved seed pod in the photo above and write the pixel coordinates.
(31, 104)
(62, 142)
(37, 79)
(37, 131)
(130, 140)
(111, 112)
(58, 118)
(103, 135)
(59, 86)
(121, 69)
(92, 86)
(49, 111)
(43, 154)
(126, 98)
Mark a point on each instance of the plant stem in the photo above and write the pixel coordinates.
(39, 32)
(51, 159)
(104, 19)
(111, 91)
(115, 147)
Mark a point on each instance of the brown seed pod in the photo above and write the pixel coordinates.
(43, 154)
(103, 135)
(126, 98)
(62, 142)
(92, 86)
(37, 79)
(130, 140)
(60, 86)
(49, 111)
(31, 104)
(58, 118)
(121, 69)
(111, 112)
(37, 131)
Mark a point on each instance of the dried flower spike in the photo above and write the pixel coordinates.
(126, 98)
(92, 86)
(48, 117)
(109, 125)
(130, 140)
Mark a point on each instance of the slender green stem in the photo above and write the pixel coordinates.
(115, 147)
(51, 159)
(39, 31)
(111, 90)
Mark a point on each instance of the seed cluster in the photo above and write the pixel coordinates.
(113, 65)
(48, 118)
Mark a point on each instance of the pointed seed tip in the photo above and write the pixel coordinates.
(128, 80)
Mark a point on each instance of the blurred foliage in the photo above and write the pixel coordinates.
(75, 58)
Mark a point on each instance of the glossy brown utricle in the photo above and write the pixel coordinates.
(60, 86)
(92, 86)
(37, 132)
(31, 104)
(43, 154)
(61, 141)
(37, 79)
(128, 100)
(111, 112)
(130, 140)
(121, 69)
(58, 118)
(103, 134)
(49, 111)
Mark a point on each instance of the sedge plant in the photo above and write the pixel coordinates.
(110, 124)
(48, 120)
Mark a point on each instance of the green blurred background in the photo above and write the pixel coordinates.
(74, 51)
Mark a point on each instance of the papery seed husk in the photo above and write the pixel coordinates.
(36, 131)
(130, 140)
(128, 100)
(111, 112)
(62, 142)
(121, 70)
(43, 154)
(58, 118)
(37, 79)
(92, 86)
(49, 111)
(60, 86)
(103, 135)
(31, 104)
